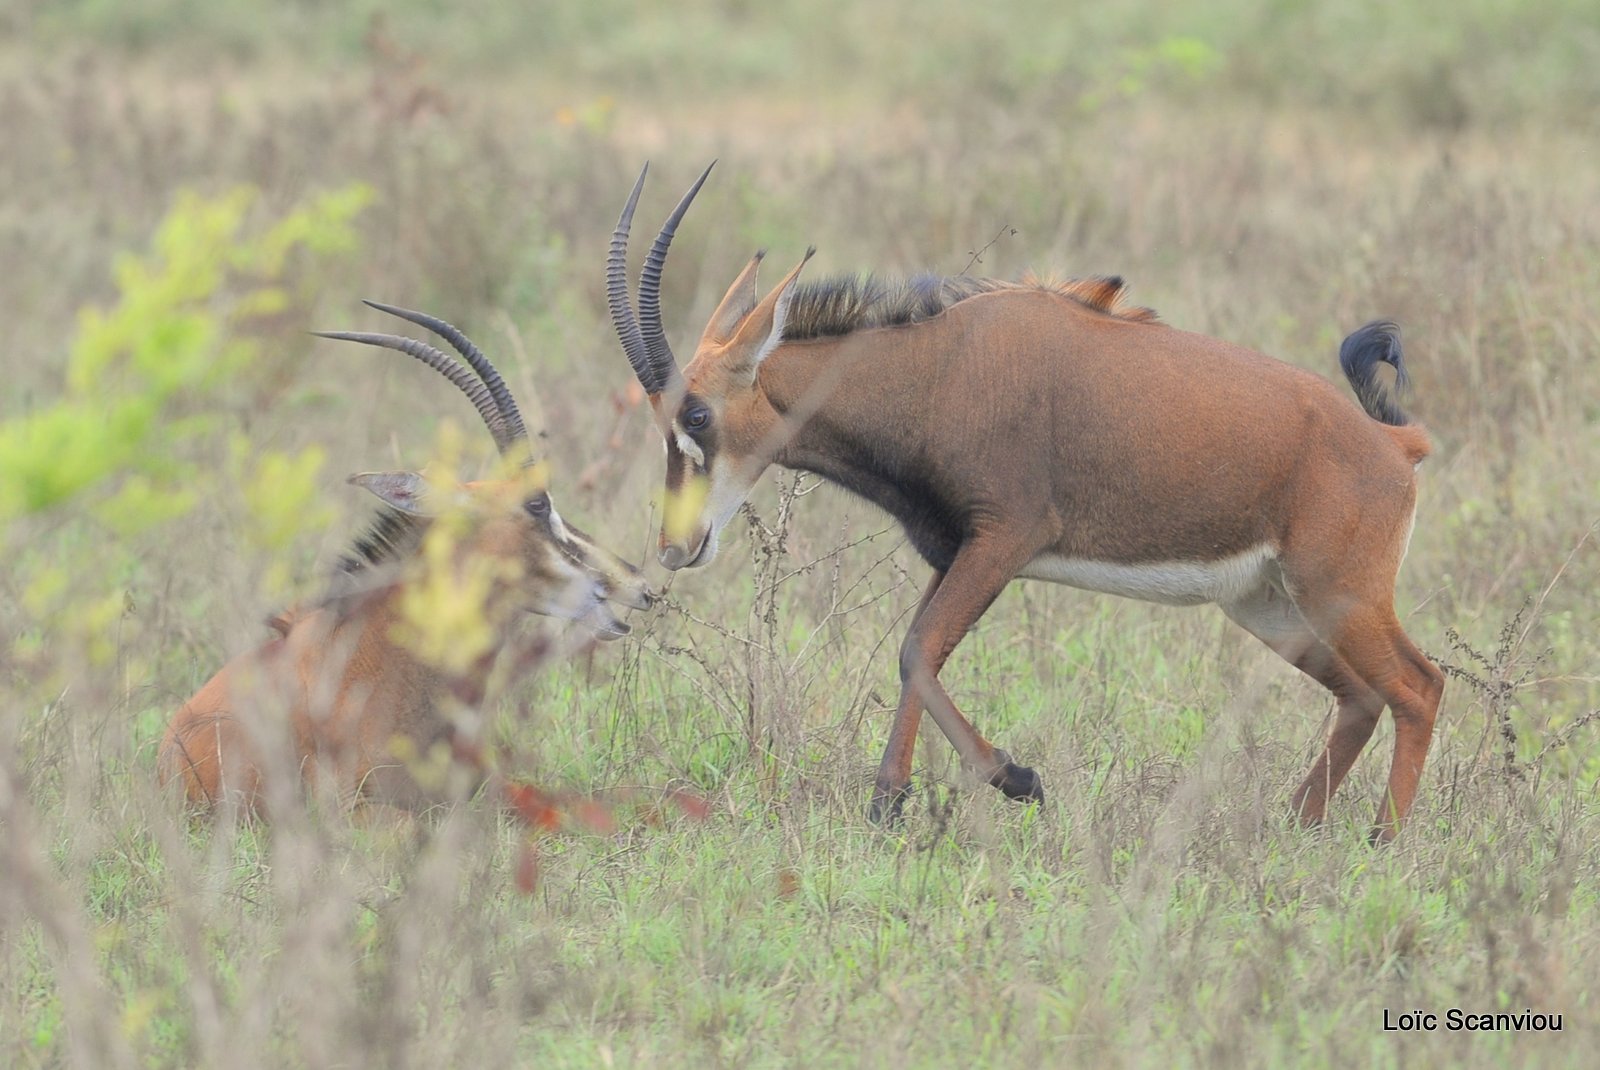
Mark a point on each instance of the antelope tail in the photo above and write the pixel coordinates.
(1376, 343)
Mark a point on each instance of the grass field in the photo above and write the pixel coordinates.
(216, 178)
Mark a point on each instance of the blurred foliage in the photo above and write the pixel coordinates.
(118, 443)
(1181, 60)
(1442, 61)
(120, 414)
(445, 618)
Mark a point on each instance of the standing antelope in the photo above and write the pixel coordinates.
(1050, 431)
(358, 695)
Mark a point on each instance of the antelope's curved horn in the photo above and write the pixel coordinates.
(657, 350)
(447, 366)
(474, 357)
(622, 318)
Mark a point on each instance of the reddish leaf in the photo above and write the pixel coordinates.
(694, 807)
(536, 808)
(594, 816)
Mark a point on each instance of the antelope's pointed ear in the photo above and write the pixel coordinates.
(736, 304)
(761, 331)
(405, 491)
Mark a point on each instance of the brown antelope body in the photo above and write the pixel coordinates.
(344, 691)
(1028, 430)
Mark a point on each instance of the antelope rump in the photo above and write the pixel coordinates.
(1051, 431)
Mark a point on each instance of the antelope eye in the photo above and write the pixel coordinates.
(538, 505)
(697, 418)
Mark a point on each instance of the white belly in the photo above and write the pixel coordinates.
(1174, 583)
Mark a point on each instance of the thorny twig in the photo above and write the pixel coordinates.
(769, 683)
(1006, 231)
(831, 555)
(1498, 681)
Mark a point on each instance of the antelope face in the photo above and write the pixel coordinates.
(541, 563)
(723, 432)
(718, 442)
(718, 427)
(567, 574)
(544, 565)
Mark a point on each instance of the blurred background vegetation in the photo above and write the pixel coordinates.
(186, 188)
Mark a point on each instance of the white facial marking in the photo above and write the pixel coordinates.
(689, 447)
(1173, 583)
(574, 593)
(557, 528)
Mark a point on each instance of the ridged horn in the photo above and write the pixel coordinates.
(447, 366)
(622, 317)
(475, 358)
(657, 349)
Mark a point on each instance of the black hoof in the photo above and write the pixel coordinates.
(1017, 781)
(887, 804)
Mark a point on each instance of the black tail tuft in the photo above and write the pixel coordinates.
(1376, 343)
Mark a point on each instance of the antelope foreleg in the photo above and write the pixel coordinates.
(894, 772)
(951, 605)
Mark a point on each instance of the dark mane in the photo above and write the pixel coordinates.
(841, 304)
(391, 537)
(366, 568)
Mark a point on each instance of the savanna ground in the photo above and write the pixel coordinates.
(216, 178)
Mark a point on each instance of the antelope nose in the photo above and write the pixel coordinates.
(673, 556)
(637, 595)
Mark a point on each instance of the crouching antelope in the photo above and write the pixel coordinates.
(1051, 431)
(358, 695)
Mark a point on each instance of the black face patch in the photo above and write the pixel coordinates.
(678, 467)
(695, 417)
(706, 435)
(576, 549)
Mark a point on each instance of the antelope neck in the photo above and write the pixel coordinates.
(857, 417)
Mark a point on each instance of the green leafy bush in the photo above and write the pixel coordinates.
(123, 452)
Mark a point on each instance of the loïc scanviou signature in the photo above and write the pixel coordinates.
(1455, 1020)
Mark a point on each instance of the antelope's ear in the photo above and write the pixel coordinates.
(741, 297)
(405, 491)
(761, 331)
